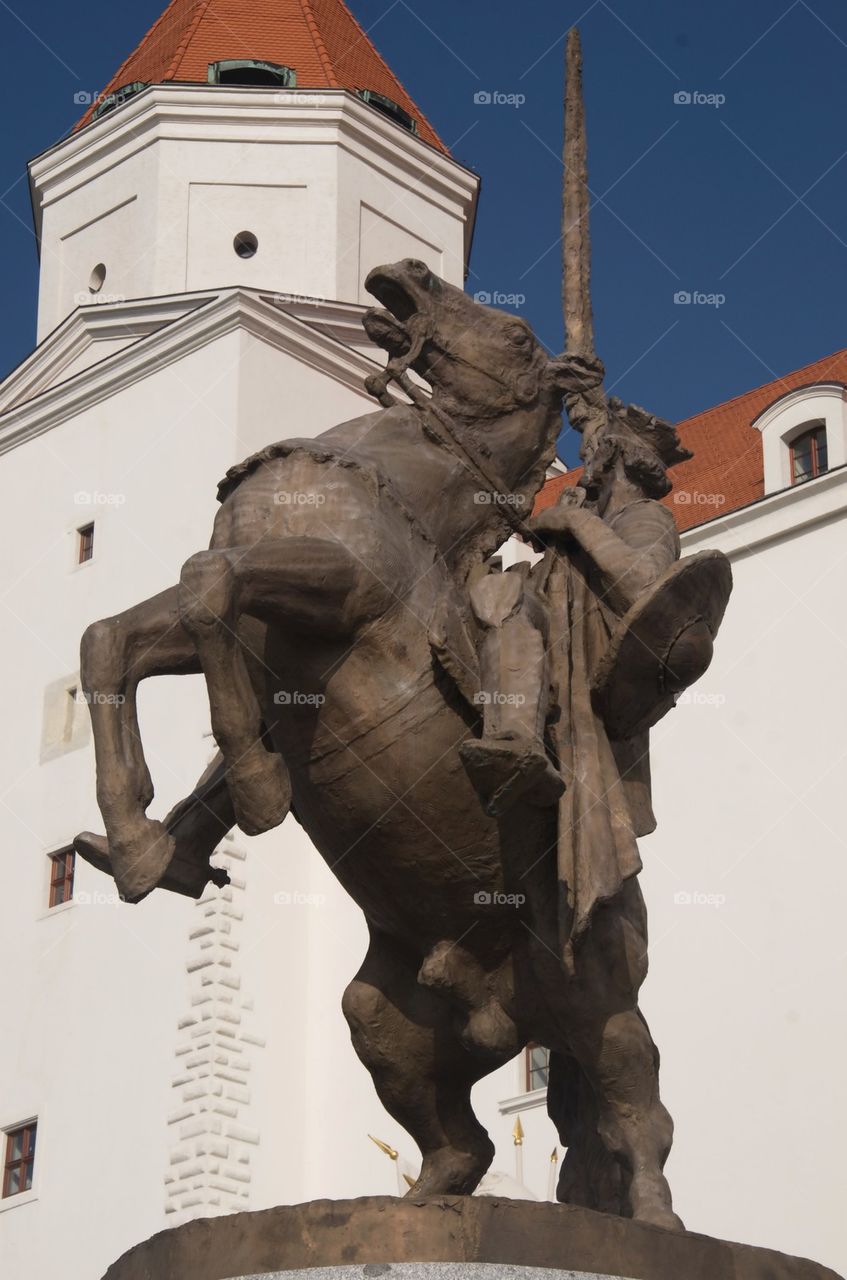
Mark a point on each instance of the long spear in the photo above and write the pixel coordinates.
(588, 411)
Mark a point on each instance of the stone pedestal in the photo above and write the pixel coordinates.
(436, 1239)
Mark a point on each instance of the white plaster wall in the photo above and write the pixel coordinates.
(112, 219)
(746, 996)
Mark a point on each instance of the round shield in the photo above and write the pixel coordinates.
(662, 645)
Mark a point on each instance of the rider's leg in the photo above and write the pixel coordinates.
(609, 1038)
(116, 654)
(314, 584)
(405, 1036)
(510, 761)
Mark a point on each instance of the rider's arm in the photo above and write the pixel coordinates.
(627, 565)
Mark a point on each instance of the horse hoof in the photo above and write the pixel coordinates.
(260, 790)
(94, 849)
(651, 1202)
(451, 1173)
(140, 859)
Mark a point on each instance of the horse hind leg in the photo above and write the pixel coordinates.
(608, 1037)
(590, 1176)
(116, 654)
(404, 1034)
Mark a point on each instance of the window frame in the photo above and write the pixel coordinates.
(529, 1070)
(66, 880)
(85, 542)
(28, 1150)
(813, 435)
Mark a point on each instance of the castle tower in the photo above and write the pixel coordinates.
(264, 144)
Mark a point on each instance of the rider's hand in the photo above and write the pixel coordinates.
(554, 520)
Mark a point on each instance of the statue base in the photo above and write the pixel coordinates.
(435, 1239)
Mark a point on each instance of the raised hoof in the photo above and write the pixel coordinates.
(140, 859)
(94, 849)
(260, 789)
(505, 771)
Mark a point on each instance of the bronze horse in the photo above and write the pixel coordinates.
(328, 619)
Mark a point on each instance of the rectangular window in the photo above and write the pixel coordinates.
(537, 1067)
(20, 1159)
(85, 536)
(61, 877)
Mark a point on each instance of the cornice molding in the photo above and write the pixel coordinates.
(228, 311)
(773, 518)
(179, 112)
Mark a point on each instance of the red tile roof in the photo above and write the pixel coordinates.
(319, 39)
(727, 470)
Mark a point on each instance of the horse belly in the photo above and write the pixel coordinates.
(397, 820)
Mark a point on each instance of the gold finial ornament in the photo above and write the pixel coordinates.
(518, 1133)
(384, 1147)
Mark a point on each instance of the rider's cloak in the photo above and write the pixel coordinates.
(607, 803)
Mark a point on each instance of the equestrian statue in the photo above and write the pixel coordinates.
(469, 750)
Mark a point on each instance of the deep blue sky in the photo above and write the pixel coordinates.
(748, 199)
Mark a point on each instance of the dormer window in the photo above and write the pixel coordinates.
(809, 454)
(388, 107)
(118, 98)
(804, 434)
(247, 71)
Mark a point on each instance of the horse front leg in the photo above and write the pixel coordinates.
(116, 654)
(313, 583)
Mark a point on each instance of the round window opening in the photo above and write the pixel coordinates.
(245, 244)
(97, 278)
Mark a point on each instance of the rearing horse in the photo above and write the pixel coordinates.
(327, 620)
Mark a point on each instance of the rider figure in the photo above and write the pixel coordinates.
(612, 522)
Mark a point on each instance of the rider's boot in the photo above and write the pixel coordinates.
(509, 763)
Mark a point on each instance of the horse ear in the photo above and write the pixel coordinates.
(574, 373)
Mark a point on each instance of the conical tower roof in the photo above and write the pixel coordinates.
(318, 39)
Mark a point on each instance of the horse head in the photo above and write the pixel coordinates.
(488, 372)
